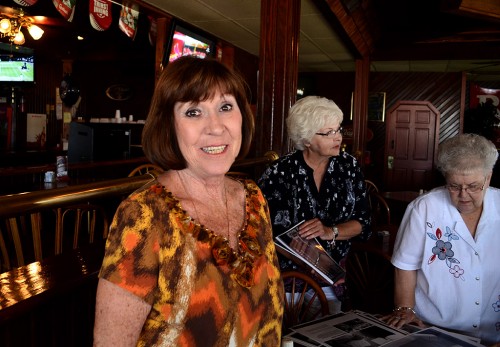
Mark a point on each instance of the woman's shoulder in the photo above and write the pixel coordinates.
(345, 157)
(151, 194)
(251, 187)
(436, 198)
(288, 159)
(289, 163)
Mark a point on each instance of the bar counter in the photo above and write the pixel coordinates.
(20, 179)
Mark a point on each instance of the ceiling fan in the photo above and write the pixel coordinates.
(12, 20)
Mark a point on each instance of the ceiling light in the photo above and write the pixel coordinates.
(19, 38)
(35, 31)
(10, 27)
(5, 26)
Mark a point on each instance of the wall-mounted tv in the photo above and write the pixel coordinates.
(184, 41)
(17, 64)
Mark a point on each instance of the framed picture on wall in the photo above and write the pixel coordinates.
(376, 106)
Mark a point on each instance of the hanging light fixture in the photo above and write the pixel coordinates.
(5, 26)
(11, 25)
(35, 31)
(18, 39)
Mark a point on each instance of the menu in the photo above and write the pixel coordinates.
(309, 254)
(357, 328)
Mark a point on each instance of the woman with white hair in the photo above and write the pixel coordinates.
(446, 254)
(317, 183)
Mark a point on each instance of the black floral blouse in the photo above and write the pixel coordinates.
(288, 185)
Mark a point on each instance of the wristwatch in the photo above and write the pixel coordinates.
(335, 234)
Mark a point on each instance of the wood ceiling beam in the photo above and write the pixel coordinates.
(484, 9)
(356, 25)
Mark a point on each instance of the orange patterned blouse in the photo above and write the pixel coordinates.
(202, 293)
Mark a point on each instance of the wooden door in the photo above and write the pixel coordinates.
(412, 134)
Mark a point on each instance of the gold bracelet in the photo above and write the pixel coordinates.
(404, 309)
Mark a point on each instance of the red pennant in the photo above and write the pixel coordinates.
(66, 8)
(128, 19)
(25, 2)
(100, 14)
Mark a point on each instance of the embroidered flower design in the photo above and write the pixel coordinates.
(443, 250)
(456, 271)
(450, 234)
(496, 306)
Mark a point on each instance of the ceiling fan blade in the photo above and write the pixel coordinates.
(42, 20)
(10, 11)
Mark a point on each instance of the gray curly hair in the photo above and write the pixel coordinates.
(308, 115)
(465, 154)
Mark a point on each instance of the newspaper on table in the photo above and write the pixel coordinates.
(309, 254)
(357, 328)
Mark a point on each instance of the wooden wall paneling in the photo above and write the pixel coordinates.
(443, 90)
(162, 25)
(278, 72)
(360, 108)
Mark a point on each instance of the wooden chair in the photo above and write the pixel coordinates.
(143, 169)
(300, 305)
(85, 220)
(369, 279)
(34, 236)
(20, 240)
(381, 213)
(371, 187)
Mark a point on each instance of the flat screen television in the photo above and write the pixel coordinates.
(17, 64)
(185, 41)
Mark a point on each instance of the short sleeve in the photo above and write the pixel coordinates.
(131, 256)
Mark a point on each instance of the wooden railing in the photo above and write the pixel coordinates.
(51, 301)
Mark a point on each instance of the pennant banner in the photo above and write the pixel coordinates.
(100, 14)
(25, 2)
(128, 19)
(66, 8)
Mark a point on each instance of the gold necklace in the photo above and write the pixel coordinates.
(198, 216)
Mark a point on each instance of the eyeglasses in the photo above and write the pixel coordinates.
(471, 188)
(331, 134)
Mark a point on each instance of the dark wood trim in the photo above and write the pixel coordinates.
(355, 25)
(360, 112)
(278, 72)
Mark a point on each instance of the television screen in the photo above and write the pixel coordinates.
(185, 42)
(17, 64)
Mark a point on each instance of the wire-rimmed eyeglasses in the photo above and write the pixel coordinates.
(470, 188)
(331, 133)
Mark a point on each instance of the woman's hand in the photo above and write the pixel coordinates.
(314, 228)
(399, 318)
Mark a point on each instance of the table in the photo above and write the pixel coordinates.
(406, 196)
(398, 202)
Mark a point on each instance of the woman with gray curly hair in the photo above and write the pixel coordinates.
(319, 184)
(446, 252)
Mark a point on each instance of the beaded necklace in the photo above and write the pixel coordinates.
(240, 262)
(198, 216)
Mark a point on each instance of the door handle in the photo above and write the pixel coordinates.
(390, 162)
